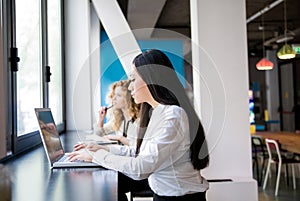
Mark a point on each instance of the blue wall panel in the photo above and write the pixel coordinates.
(112, 70)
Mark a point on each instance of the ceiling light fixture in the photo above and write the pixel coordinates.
(264, 63)
(286, 51)
(264, 10)
(284, 39)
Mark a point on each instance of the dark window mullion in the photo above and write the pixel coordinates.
(44, 23)
(13, 77)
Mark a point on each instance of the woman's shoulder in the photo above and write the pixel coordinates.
(170, 107)
(172, 110)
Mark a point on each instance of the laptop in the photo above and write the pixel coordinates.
(52, 143)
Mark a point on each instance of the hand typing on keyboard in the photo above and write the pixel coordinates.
(91, 147)
(82, 155)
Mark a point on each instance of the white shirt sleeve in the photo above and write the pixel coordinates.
(106, 129)
(122, 150)
(162, 139)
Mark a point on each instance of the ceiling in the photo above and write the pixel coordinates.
(273, 24)
(175, 15)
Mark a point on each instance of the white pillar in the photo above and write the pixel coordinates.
(223, 75)
(95, 63)
(194, 5)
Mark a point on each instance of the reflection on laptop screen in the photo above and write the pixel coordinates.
(50, 134)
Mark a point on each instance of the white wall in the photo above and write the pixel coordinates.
(78, 73)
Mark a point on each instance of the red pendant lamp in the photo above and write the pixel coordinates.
(264, 63)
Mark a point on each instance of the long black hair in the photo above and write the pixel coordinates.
(157, 71)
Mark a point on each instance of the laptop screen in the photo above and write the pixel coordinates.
(49, 134)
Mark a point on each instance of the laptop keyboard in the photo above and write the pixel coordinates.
(65, 158)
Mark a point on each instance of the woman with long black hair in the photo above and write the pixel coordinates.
(171, 147)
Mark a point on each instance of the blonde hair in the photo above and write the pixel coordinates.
(133, 108)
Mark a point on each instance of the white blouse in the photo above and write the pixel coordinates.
(163, 158)
(108, 130)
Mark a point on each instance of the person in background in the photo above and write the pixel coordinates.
(171, 147)
(122, 121)
(123, 115)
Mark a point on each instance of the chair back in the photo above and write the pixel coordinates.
(273, 150)
(257, 146)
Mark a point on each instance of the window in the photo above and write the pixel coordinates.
(34, 27)
(28, 40)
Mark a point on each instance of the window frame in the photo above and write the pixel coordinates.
(17, 144)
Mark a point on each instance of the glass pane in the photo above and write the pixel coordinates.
(29, 75)
(55, 57)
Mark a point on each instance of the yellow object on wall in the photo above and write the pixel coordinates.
(266, 113)
(252, 129)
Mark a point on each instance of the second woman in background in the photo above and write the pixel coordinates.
(122, 116)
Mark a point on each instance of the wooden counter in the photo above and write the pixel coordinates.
(288, 140)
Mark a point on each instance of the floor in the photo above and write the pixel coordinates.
(285, 193)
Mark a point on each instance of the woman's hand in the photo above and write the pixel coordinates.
(119, 138)
(113, 137)
(79, 146)
(95, 147)
(81, 156)
(102, 114)
(91, 147)
(86, 154)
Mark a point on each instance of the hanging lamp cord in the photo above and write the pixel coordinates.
(263, 33)
(285, 21)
